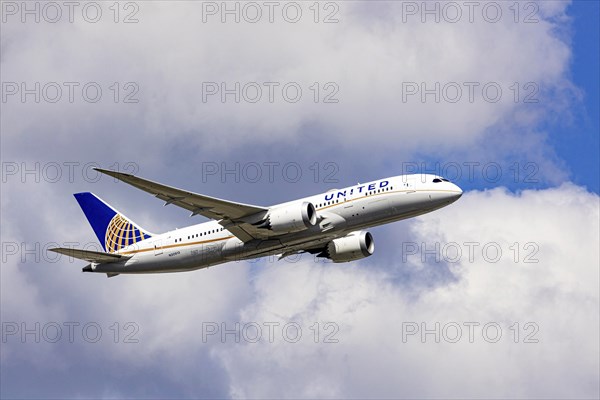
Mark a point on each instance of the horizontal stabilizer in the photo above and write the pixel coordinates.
(90, 256)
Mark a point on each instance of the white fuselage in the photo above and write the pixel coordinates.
(340, 212)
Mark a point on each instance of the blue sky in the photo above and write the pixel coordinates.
(580, 146)
(573, 137)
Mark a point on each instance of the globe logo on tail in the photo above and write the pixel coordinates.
(121, 233)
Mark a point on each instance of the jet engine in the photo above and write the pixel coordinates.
(290, 218)
(354, 246)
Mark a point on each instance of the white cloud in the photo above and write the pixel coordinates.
(559, 294)
(369, 56)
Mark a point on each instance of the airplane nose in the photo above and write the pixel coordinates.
(446, 194)
(456, 192)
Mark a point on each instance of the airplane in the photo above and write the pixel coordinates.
(329, 225)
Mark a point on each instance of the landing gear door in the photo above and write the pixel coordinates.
(158, 249)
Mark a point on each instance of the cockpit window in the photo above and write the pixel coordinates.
(445, 180)
(436, 180)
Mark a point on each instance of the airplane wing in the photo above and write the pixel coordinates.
(228, 213)
(90, 256)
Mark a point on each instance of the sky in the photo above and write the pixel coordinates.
(495, 296)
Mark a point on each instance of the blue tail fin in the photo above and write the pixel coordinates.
(113, 229)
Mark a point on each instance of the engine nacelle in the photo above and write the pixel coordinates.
(291, 218)
(354, 246)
